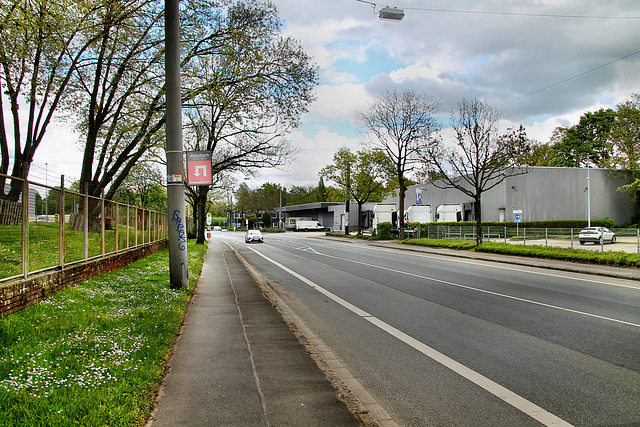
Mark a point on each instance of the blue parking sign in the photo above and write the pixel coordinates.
(518, 218)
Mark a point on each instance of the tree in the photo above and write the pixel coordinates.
(363, 175)
(254, 90)
(480, 159)
(626, 142)
(143, 187)
(588, 142)
(41, 45)
(402, 124)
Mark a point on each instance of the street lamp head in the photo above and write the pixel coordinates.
(391, 14)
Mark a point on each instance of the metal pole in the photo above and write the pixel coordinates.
(178, 265)
(588, 196)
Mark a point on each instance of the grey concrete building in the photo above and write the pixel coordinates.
(542, 193)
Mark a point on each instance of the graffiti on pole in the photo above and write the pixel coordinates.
(182, 233)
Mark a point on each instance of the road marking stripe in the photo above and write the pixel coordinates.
(501, 267)
(542, 304)
(531, 409)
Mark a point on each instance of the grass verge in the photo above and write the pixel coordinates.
(622, 259)
(94, 354)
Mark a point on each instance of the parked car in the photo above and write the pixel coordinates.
(253, 236)
(217, 228)
(598, 235)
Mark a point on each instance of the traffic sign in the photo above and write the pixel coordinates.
(517, 218)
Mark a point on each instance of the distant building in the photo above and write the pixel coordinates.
(541, 194)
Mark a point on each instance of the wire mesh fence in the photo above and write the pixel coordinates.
(43, 227)
(627, 239)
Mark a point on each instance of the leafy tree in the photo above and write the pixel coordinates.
(480, 159)
(322, 191)
(300, 195)
(626, 141)
(363, 175)
(588, 142)
(402, 125)
(42, 43)
(255, 87)
(143, 187)
(539, 154)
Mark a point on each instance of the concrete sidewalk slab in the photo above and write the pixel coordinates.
(236, 362)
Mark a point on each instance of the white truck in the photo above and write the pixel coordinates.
(304, 225)
(449, 213)
(383, 213)
(421, 214)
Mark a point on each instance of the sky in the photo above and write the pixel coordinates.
(541, 63)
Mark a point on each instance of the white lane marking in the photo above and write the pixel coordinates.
(542, 304)
(519, 270)
(531, 409)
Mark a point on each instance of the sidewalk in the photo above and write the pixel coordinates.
(237, 363)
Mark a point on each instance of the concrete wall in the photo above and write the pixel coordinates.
(543, 193)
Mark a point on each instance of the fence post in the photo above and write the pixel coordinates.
(524, 236)
(572, 238)
(135, 226)
(116, 222)
(546, 238)
(25, 228)
(505, 235)
(128, 225)
(61, 224)
(103, 218)
(86, 221)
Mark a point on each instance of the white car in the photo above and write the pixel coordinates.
(253, 236)
(597, 235)
(217, 228)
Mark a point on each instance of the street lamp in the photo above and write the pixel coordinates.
(391, 14)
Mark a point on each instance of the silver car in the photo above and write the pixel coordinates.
(598, 235)
(253, 236)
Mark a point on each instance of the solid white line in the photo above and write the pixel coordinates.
(519, 270)
(542, 304)
(531, 409)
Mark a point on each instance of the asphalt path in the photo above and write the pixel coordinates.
(441, 340)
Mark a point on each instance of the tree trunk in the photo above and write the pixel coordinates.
(201, 202)
(401, 193)
(478, 213)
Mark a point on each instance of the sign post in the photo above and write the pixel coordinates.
(517, 218)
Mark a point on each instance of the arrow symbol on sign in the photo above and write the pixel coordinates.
(201, 168)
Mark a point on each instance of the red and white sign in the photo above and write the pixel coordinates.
(199, 168)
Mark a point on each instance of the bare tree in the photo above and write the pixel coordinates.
(402, 124)
(480, 159)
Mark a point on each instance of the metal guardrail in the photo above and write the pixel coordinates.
(57, 227)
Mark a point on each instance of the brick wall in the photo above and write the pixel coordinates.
(20, 293)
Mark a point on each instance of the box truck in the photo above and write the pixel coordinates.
(421, 214)
(449, 213)
(383, 213)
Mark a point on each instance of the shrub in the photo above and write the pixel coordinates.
(384, 231)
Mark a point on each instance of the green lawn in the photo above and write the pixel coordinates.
(93, 354)
(44, 244)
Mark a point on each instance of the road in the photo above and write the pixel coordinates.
(445, 341)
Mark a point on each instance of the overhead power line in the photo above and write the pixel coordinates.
(480, 12)
(570, 78)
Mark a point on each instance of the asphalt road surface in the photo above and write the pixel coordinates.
(447, 341)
